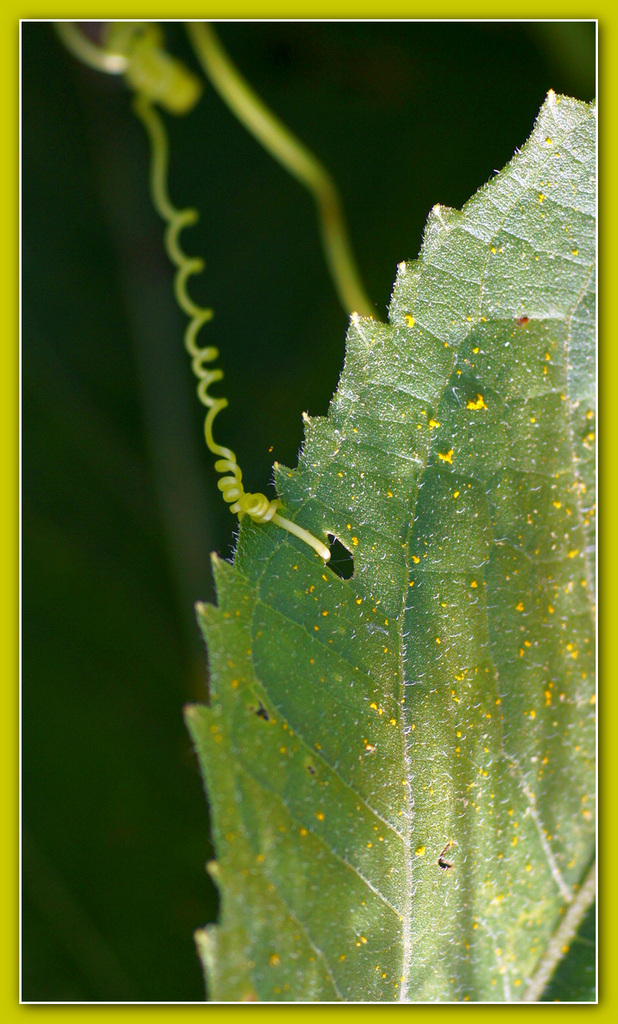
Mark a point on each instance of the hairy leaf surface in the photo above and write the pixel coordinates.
(400, 764)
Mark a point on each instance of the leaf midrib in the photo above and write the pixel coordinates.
(404, 717)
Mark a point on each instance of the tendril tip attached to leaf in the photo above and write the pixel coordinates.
(135, 50)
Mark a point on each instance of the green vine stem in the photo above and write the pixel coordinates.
(294, 156)
(135, 49)
(257, 506)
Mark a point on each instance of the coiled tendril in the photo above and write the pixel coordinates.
(135, 50)
(257, 506)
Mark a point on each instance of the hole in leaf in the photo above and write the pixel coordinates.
(341, 560)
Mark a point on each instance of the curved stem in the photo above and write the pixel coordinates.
(257, 506)
(294, 156)
(86, 51)
(302, 534)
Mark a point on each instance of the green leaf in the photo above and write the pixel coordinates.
(574, 980)
(400, 764)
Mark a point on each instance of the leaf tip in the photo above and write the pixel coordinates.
(212, 867)
(194, 714)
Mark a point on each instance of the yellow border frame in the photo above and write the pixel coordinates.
(250, 10)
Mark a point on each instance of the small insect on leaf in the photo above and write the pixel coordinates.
(261, 712)
(445, 859)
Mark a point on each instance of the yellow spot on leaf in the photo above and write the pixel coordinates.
(409, 320)
(478, 404)
(446, 456)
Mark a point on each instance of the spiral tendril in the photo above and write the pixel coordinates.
(257, 506)
(135, 49)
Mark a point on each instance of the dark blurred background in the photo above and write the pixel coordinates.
(120, 505)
